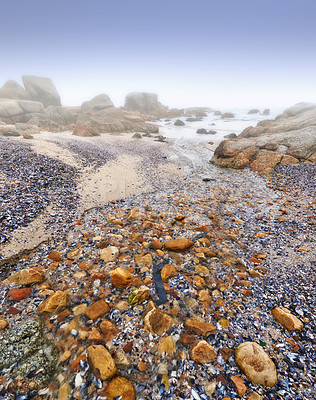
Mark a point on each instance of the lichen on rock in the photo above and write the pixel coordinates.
(34, 355)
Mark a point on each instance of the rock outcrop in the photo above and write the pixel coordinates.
(100, 116)
(289, 138)
(15, 110)
(37, 104)
(299, 108)
(148, 104)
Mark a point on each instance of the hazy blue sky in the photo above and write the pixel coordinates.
(220, 53)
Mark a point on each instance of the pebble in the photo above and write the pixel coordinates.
(286, 319)
(25, 277)
(180, 244)
(199, 327)
(54, 303)
(121, 278)
(109, 254)
(97, 310)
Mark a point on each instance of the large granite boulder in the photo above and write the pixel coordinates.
(98, 103)
(41, 89)
(54, 118)
(12, 90)
(287, 139)
(37, 104)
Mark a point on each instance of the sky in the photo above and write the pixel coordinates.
(222, 54)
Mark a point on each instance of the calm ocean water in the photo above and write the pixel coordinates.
(215, 123)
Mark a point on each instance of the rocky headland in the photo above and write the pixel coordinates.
(128, 272)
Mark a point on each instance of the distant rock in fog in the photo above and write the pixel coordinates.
(37, 89)
(145, 103)
(98, 103)
(299, 108)
(266, 111)
(12, 90)
(41, 89)
(227, 115)
(254, 111)
(289, 138)
(179, 122)
(198, 112)
(100, 116)
(148, 104)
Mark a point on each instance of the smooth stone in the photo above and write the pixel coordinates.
(108, 330)
(54, 303)
(168, 271)
(199, 327)
(102, 363)
(97, 310)
(202, 352)
(239, 384)
(254, 362)
(180, 244)
(119, 388)
(109, 254)
(286, 319)
(121, 278)
(144, 259)
(25, 277)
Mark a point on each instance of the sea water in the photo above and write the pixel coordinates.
(215, 123)
(199, 148)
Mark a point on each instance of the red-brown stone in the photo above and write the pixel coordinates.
(19, 294)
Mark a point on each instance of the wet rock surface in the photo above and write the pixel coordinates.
(249, 248)
(28, 356)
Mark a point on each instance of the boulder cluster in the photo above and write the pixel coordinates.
(288, 139)
(25, 111)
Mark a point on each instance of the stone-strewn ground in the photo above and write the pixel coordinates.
(247, 246)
